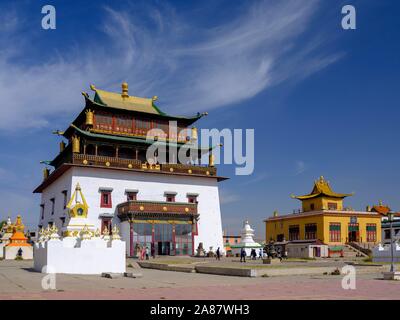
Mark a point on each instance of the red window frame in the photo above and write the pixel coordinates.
(106, 222)
(103, 202)
(371, 234)
(335, 232)
(170, 197)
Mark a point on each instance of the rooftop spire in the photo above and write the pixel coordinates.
(124, 90)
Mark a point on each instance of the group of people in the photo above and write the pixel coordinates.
(253, 254)
(144, 252)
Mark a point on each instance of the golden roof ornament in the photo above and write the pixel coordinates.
(124, 93)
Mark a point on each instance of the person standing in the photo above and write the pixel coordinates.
(242, 255)
(218, 257)
(153, 251)
(147, 253)
(260, 253)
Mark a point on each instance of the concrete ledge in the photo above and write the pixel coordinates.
(132, 275)
(110, 275)
(166, 267)
(391, 276)
(238, 272)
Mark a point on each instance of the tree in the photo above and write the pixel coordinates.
(2, 223)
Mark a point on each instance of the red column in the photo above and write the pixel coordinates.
(131, 239)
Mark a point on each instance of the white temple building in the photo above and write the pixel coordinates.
(163, 203)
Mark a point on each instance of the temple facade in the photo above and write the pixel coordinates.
(323, 217)
(159, 201)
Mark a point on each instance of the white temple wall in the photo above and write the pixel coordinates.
(150, 187)
(55, 190)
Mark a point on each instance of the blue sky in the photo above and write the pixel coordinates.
(322, 100)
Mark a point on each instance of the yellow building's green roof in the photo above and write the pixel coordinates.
(322, 188)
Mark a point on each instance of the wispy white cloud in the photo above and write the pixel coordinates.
(226, 197)
(219, 66)
(257, 177)
(300, 167)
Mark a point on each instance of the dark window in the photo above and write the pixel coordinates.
(131, 196)
(294, 232)
(106, 151)
(312, 206)
(65, 193)
(192, 198)
(170, 197)
(310, 231)
(53, 203)
(332, 205)
(280, 237)
(42, 211)
(105, 199)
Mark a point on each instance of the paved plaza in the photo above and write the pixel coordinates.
(19, 281)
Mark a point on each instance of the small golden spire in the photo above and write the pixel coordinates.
(92, 87)
(125, 90)
(154, 98)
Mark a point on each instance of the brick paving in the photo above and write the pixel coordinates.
(18, 281)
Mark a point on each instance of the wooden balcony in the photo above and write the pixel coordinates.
(157, 209)
(133, 164)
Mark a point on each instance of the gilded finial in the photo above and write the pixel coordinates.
(380, 202)
(155, 98)
(92, 87)
(124, 93)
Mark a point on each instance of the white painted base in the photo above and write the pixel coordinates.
(75, 256)
(10, 253)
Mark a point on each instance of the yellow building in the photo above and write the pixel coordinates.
(323, 217)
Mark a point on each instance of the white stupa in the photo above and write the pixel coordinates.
(247, 242)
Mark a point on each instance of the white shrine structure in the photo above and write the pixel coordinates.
(162, 202)
(81, 249)
(382, 252)
(247, 242)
